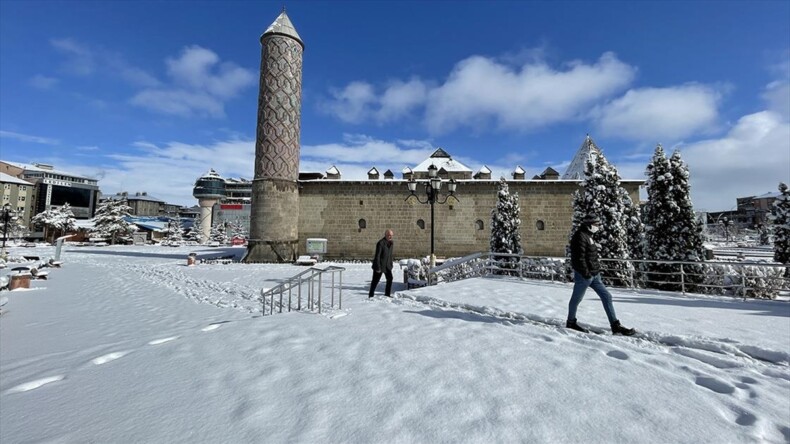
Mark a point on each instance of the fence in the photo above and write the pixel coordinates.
(741, 278)
(311, 283)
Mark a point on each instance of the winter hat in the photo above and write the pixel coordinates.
(591, 219)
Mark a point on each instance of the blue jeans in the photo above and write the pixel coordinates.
(580, 285)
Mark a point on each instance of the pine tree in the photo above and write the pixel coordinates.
(174, 231)
(219, 234)
(602, 195)
(109, 221)
(672, 230)
(195, 233)
(780, 218)
(505, 225)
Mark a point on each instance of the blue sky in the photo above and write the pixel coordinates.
(148, 95)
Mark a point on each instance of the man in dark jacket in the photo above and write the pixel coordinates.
(382, 264)
(587, 273)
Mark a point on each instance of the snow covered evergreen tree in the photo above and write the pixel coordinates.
(109, 223)
(505, 224)
(55, 221)
(602, 195)
(174, 231)
(780, 218)
(236, 229)
(195, 233)
(635, 229)
(219, 234)
(672, 230)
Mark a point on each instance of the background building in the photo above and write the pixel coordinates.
(18, 194)
(53, 187)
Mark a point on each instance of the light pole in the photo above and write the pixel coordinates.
(6, 217)
(432, 187)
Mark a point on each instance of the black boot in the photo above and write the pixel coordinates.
(618, 329)
(571, 323)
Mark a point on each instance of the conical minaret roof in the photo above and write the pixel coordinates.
(575, 170)
(283, 26)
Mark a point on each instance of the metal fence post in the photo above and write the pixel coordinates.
(682, 280)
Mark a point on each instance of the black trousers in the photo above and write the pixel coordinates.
(376, 278)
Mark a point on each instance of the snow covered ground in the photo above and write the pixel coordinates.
(128, 344)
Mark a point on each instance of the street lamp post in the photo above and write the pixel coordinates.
(432, 187)
(6, 217)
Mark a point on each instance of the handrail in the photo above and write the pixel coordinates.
(297, 282)
(743, 278)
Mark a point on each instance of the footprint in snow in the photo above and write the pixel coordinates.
(163, 340)
(32, 385)
(108, 357)
(210, 327)
(715, 384)
(617, 354)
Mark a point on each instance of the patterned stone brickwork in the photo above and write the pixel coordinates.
(333, 210)
(279, 109)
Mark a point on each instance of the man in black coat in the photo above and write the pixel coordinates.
(382, 264)
(587, 273)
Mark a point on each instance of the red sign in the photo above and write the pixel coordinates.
(230, 207)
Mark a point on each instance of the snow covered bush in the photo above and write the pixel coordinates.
(736, 279)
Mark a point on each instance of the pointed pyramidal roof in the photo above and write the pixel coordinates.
(283, 26)
(575, 170)
(441, 159)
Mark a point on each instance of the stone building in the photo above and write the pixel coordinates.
(287, 207)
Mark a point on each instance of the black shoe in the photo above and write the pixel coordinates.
(618, 329)
(370, 297)
(571, 323)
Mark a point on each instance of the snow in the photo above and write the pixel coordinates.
(128, 344)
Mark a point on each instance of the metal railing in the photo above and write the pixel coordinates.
(309, 284)
(741, 278)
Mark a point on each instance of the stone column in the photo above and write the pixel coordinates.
(206, 207)
(274, 217)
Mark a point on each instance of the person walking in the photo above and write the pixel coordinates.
(382, 264)
(587, 273)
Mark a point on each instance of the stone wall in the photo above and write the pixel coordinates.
(353, 215)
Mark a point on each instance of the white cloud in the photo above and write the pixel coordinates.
(528, 96)
(366, 152)
(657, 114)
(201, 69)
(351, 104)
(40, 81)
(201, 84)
(179, 102)
(481, 90)
(751, 159)
(80, 60)
(29, 138)
(400, 99)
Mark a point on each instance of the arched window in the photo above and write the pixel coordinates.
(540, 225)
(421, 224)
(479, 224)
(362, 224)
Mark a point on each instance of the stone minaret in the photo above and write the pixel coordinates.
(274, 221)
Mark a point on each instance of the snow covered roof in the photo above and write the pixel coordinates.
(772, 195)
(282, 25)
(441, 159)
(211, 174)
(373, 171)
(41, 168)
(575, 170)
(406, 170)
(136, 196)
(333, 170)
(7, 178)
(519, 170)
(485, 170)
